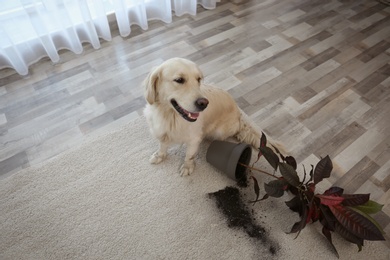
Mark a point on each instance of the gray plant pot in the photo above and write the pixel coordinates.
(225, 156)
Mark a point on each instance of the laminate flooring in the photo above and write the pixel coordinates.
(315, 75)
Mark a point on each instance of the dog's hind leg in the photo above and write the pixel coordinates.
(247, 132)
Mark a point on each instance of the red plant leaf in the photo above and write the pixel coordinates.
(258, 156)
(296, 205)
(323, 169)
(291, 161)
(311, 172)
(310, 213)
(266, 196)
(294, 190)
(270, 156)
(311, 187)
(342, 231)
(355, 223)
(313, 214)
(289, 174)
(355, 199)
(256, 188)
(275, 188)
(334, 191)
(304, 173)
(373, 221)
(330, 200)
(263, 143)
(278, 152)
(263, 140)
(328, 219)
(298, 226)
(328, 236)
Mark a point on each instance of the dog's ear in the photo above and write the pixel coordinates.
(151, 82)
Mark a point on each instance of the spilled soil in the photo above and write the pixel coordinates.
(230, 203)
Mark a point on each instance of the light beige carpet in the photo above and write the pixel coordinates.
(103, 200)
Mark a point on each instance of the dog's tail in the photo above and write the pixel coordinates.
(247, 132)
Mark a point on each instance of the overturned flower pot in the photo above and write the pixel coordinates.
(229, 158)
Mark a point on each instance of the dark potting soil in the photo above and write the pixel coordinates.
(238, 216)
(241, 171)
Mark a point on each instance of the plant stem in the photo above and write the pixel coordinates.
(258, 170)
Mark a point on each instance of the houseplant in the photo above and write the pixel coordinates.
(346, 214)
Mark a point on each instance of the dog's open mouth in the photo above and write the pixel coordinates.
(189, 116)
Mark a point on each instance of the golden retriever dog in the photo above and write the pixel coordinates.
(181, 109)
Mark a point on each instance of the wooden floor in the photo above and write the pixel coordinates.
(314, 75)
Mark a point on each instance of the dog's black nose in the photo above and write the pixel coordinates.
(201, 103)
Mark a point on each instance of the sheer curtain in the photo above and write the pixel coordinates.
(32, 29)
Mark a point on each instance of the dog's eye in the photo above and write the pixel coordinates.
(179, 80)
(199, 79)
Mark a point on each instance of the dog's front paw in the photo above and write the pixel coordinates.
(156, 158)
(187, 168)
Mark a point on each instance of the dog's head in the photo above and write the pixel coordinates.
(177, 83)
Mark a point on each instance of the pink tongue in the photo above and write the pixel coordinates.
(193, 115)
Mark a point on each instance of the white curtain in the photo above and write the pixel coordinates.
(32, 29)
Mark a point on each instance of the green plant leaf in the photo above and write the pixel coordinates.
(369, 218)
(356, 223)
(275, 188)
(370, 207)
(289, 174)
(330, 200)
(323, 169)
(270, 156)
(355, 199)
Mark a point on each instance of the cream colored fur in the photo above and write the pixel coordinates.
(220, 120)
